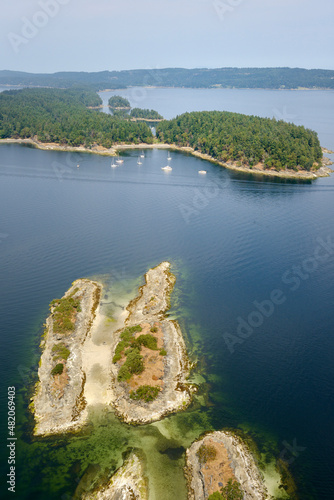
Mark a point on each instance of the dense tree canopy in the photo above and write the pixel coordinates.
(246, 140)
(61, 116)
(116, 101)
(146, 114)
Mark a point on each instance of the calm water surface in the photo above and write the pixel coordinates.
(231, 240)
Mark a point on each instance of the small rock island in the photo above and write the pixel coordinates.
(222, 460)
(145, 364)
(150, 363)
(58, 403)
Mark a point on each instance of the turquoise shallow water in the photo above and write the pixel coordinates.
(231, 240)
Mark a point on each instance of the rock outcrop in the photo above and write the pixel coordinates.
(58, 403)
(149, 309)
(127, 483)
(232, 460)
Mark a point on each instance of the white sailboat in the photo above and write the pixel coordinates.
(202, 171)
(167, 168)
(138, 161)
(119, 160)
(113, 164)
(169, 156)
(142, 155)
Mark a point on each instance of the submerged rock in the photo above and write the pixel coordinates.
(127, 483)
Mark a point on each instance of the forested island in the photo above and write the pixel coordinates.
(61, 118)
(246, 140)
(145, 114)
(122, 107)
(118, 102)
(253, 78)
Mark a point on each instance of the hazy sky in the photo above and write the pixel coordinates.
(95, 35)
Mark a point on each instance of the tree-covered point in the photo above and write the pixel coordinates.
(246, 140)
(61, 116)
(116, 101)
(145, 114)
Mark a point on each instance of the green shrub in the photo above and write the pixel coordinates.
(123, 374)
(58, 369)
(133, 364)
(145, 392)
(63, 310)
(67, 324)
(163, 352)
(134, 361)
(60, 351)
(233, 491)
(121, 346)
(154, 329)
(127, 341)
(134, 329)
(126, 335)
(216, 496)
(205, 453)
(147, 340)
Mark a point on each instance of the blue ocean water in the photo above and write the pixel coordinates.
(235, 242)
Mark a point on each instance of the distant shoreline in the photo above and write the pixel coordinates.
(212, 87)
(323, 171)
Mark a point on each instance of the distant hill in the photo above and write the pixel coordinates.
(269, 78)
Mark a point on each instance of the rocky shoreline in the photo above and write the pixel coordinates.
(231, 460)
(71, 358)
(58, 404)
(175, 393)
(62, 399)
(323, 171)
(128, 483)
